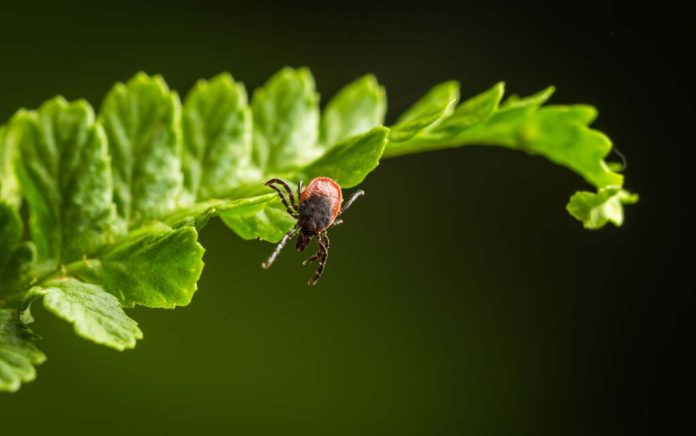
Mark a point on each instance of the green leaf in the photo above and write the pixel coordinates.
(95, 314)
(349, 162)
(286, 121)
(114, 204)
(65, 177)
(9, 186)
(596, 210)
(475, 110)
(268, 220)
(15, 256)
(18, 354)
(198, 214)
(155, 266)
(438, 103)
(559, 133)
(356, 108)
(217, 130)
(534, 100)
(142, 123)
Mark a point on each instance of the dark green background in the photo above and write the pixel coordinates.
(460, 298)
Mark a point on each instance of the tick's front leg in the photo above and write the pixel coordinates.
(267, 264)
(350, 200)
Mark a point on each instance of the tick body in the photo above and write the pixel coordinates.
(317, 210)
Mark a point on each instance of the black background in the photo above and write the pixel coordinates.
(460, 297)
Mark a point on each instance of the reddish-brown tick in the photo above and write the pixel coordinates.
(319, 206)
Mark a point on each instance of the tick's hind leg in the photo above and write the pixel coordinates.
(322, 256)
(312, 258)
(323, 250)
(291, 207)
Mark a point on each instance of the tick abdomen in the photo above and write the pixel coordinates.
(316, 213)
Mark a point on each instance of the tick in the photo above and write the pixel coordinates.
(320, 203)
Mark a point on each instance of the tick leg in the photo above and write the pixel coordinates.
(323, 248)
(267, 264)
(290, 210)
(337, 223)
(352, 198)
(312, 258)
(293, 203)
(323, 256)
